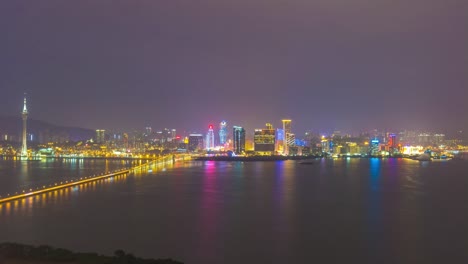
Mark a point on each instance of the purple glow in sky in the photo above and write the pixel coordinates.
(326, 64)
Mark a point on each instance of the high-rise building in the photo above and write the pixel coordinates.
(264, 141)
(392, 143)
(279, 140)
(325, 145)
(439, 139)
(287, 125)
(287, 137)
(125, 140)
(24, 115)
(100, 136)
(239, 139)
(222, 133)
(148, 130)
(210, 138)
(290, 140)
(173, 134)
(195, 142)
(374, 147)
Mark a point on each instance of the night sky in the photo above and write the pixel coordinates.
(326, 64)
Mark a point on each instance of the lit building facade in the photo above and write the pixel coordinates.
(195, 142)
(290, 140)
(374, 147)
(100, 136)
(210, 138)
(279, 140)
(325, 145)
(392, 141)
(264, 141)
(287, 132)
(222, 133)
(239, 139)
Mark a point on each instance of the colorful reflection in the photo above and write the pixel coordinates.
(209, 211)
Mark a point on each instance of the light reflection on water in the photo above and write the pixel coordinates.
(26, 205)
(367, 210)
(16, 175)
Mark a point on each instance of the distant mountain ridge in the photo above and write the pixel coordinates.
(42, 131)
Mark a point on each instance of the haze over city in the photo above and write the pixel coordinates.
(233, 131)
(328, 65)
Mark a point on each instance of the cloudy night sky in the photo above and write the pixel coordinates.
(326, 64)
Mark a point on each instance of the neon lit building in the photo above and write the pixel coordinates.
(287, 136)
(239, 139)
(374, 147)
(210, 138)
(222, 133)
(279, 140)
(264, 141)
(392, 143)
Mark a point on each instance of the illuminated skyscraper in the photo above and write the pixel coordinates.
(239, 139)
(279, 140)
(24, 114)
(100, 136)
(325, 145)
(290, 139)
(374, 147)
(264, 141)
(195, 142)
(392, 141)
(210, 138)
(222, 133)
(287, 135)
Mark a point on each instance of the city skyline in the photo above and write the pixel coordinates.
(326, 65)
(223, 126)
(233, 131)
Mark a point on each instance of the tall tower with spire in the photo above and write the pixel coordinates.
(24, 114)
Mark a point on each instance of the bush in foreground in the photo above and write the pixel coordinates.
(60, 255)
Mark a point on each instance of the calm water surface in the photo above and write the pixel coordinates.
(18, 175)
(334, 211)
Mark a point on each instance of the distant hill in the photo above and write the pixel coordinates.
(43, 131)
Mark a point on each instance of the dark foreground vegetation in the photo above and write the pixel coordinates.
(11, 252)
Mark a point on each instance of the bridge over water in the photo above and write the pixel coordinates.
(83, 180)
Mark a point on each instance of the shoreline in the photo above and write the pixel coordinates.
(7, 157)
(301, 158)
